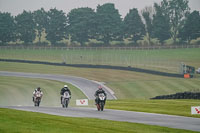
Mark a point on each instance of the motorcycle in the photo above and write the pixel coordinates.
(37, 98)
(65, 99)
(101, 101)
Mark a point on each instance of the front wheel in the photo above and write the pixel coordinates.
(66, 102)
(98, 107)
(102, 106)
(37, 103)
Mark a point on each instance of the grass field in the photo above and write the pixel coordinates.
(167, 60)
(11, 122)
(171, 107)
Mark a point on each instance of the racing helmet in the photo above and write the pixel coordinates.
(65, 86)
(38, 89)
(100, 87)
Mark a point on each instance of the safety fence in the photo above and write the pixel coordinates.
(100, 48)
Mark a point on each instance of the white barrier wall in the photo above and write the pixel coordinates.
(195, 110)
(80, 102)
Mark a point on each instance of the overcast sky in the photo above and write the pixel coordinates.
(17, 6)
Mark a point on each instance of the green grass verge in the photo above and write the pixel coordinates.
(171, 107)
(18, 91)
(12, 122)
(145, 89)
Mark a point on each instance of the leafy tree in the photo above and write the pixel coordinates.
(176, 11)
(82, 24)
(133, 25)
(191, 28)
(161, 27)
(147, 14)
(7, 28)
(40, 19)
(109, 23)
(25, 27)
(56, 26)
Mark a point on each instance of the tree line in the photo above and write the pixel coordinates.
(170, 19)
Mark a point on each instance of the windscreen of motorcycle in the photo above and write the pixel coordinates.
(102, 96)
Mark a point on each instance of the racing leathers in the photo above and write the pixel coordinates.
(36, 91)
(97, 93)
(63, 90)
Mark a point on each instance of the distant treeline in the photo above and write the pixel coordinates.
(167, 22)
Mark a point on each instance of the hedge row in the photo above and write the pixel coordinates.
(184, 95)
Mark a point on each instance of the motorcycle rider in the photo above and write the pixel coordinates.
(38, 89)
(63, 90)
(100, 90)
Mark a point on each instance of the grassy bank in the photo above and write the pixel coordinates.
(11, 122)
(18, 91)
(125, 84)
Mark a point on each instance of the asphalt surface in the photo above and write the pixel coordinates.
(170, 121)
(88, 87)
